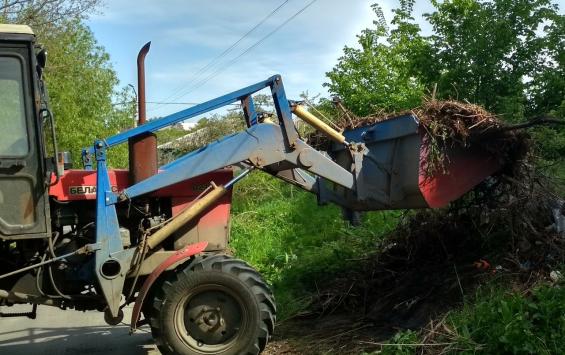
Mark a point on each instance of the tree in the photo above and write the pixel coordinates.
(45, 13)
(506, 55)
(81, 82)
(264, 103)
(207, 130)
(81, 85)
(380, 74)
(498, 54)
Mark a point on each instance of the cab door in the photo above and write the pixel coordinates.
(23, 206)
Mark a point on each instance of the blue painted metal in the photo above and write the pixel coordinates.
(155, 125)
(226, 151)
(386, 165)
(284, 112)
(194, 152)
(388, 129)
(262, 145)
(379, 170)
(108, 235)
(86, 159)
(249, 111)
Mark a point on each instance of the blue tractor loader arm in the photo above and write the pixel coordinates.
(380, 166)
(274, 148)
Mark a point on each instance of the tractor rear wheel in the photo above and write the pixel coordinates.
(214, 305)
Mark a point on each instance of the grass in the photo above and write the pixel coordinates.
(500, 322)
(295, 243)
(496, 322)
(559, 175)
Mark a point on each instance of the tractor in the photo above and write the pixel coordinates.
(156, 236)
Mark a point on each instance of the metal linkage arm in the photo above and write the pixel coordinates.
(276, 148)
(262, 145)
(243, 95)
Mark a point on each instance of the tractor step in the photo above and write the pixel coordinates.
(30, 315)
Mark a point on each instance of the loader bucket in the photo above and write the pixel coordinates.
(463, 170)
(394, 171)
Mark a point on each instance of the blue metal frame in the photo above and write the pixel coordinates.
(378, 170)
(284, 112)
(107, 228)
(379, 173)
(274, 82)
(249, 111)
(108, 235)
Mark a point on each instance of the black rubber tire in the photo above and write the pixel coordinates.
(243, 285)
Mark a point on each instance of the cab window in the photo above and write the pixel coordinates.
(13, 132)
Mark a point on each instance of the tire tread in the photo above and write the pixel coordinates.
(225, 264)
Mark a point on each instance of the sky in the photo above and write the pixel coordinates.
(187, 35)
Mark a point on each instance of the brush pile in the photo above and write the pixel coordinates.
(446, 123)
(505, 228)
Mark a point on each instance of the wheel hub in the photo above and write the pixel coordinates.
(212, 318)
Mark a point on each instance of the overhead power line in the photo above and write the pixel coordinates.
(247, 50)
(228, 50)
(181, 103)
(165, 103)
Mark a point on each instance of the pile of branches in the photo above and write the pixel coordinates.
(446, 123)
(505, 228)
(435, 259)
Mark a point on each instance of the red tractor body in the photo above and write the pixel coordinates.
(79, 187)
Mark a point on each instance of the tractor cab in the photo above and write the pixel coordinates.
(23, 192)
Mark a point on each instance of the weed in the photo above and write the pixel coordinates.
(499, 322)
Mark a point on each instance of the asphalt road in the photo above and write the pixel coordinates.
(70, 332)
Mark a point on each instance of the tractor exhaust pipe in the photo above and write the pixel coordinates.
(141, 82)
(143, 148)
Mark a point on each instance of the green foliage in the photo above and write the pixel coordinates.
(263, 103)
(80, 79)
(168, 144)
(402, 343)
(505, 55)
(496, 323)
(512, 323)
(379, 75)
(12, 109)
(293, 242)
(43, 15)
(206, 131)
(170, 134)
(81, 85)
(218, 126)
(498, 54)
